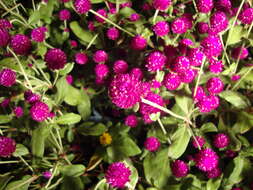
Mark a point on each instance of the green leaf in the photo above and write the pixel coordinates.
(134, 174)
(236, 34)
(102, 185)
(84, 107)
(5, 119)
(88, 128)
(21, 150)
(72, 170)
(73, 183)
(185, 103)
(244, 122)
(208, 127)
(156, 168)
(213, 184)
(180, 140)
(68, 119)
(73, 97)
(16, 184)
(62, 90)
(4, 179)
(126, 12)
(67, 69)
(235, 98)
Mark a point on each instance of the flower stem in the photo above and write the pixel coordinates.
(198, 79)
(91, 42)
(163, 129)
(10, 162)
(155, 16)
(50, 179)
(25, 182)
(25, 162)
(245, 74)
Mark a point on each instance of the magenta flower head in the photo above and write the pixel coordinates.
(102, 12)
(195, 56)
(214, 173)
(117, 175)
(134, 17)
(55, 59)
(221, 140)
(138, 43)
(39, 111)
(20, 44)
(200, 94)
(69, 79)
(199, 141)
(112, 33)
(82, 6)
(18, 111)
(131, 121)
(100, 56)
(4, 37)
(31, 97)
(240, 53)
(5, 102)
(246, 16)
(152, 144)
(235, 77)
(215, 66)
(120, 67)
(7, 77)
(171, 81)
(101, 71)
(161, 5)
(5, 24)
(47, 174)
(202, 27)
(64, 14)
(214, 85)
(179, 25)
(125, 90)
(180, 64)
(188, 76)
(223, 5)
(38, 34)
(8, 146)
(81, 58)
(137, 73)
(218, 22)
(206, 160)
(161, 28)
(204, 6)
(179, 168)
(211, 46)
(208, 103)
(155, 61)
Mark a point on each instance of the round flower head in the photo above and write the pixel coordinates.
(230, 153)
(20, 44)
(5, 24)
(125, 90)
(101, 71)
(47, 174)
(18, 111)
(221, 140)
(187, 76)
(82, 6)
(55, 59)
(161, 5)
(73, 43)
(202, 27)
(214, 173)
(126, 4)
(214, 85)
(200, 94)
(235, 77)
(31, 97)
(180, 64)
(7, 77)
(223, 5)
(195, 56)
(218, 22)
(246, 16)
(38, 34)
(156, 84)
(69, 79)
(81, 58)
(39, 111)
(155, 61)
(179, 26)
(204, 6)
(103, 13)
(171, 81)
(138, 43)
(5, 102)
(179, 168)
(206, 159)
(240, 53)
(161, 28)
(4, 37)
(131, 121)
(137, 73)
(100, 56)
(198, 141)
(91, 26)
(188, 20)
(7, 146)
(152, 144)
(64, 14)
(215, 66)
(208, 103)
(113, 33)
(134, 17)
(117, 175)
(120, 67)
(211, 46)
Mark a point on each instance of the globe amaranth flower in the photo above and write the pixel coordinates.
(82, 6)
(195, 56)
(214, 173)
(137, 73)
(131, 121)
(18, 111)
(215, 66)
(161, 28)
(5, 102)
(105, 139)
(218, 22)
(235, 77)
(208, 103)
(180, 64)
(125, 90)
(5, 24)
(4, 37)
(211, 46)
(171, 81)
(120, 67)
(81, 58)
(221, 140)
(223, 5)
(103, 13)
(112, 33)
(31, 97)
(55, 59)
(246, 16)
(198, 142)
(39, 111)
(7, 77)
(179, 26)
(134, 17)
(100, 56)
(152, 144)
(47, 174)
(155, 61)
(187, 76)
(214, 85)
(240, 53)
(38, 34)
(161, 5)
(73, 43)
(7, 146)
(179, 168)
(117, 175)
(126, 4)
(20, 44)
(64, 14)
(101, 71)
(69, 79)
(206, 160)
(204, 6)
(202, 27)
(200, 94)
(138, 43)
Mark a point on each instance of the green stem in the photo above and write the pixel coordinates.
(25, 182)
(55, 184)
(194, 137)
(222, 43)
(10, 162)
(238, 82)
(25, 162)
(91, 42)
(56, 78)
(56, 142)
(163, 129)
(155, 16)
(198, 79)
(50, 179)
